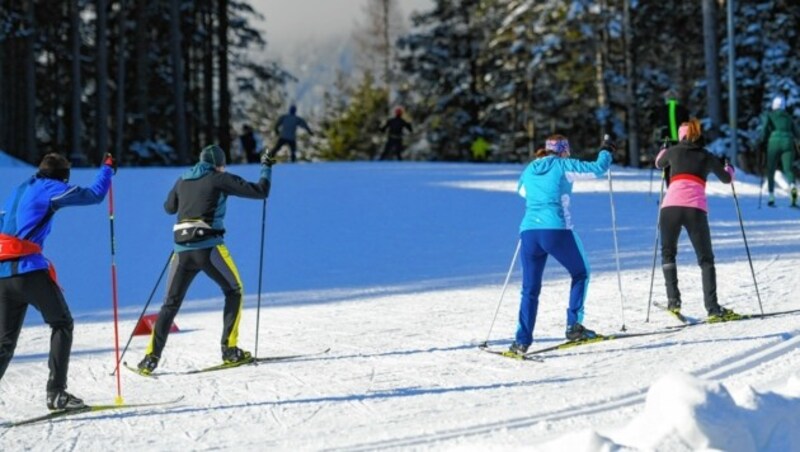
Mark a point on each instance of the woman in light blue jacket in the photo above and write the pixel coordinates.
(546, 230)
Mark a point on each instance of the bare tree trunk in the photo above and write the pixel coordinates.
(143, 129)
(208, 72)
(30, 84)
(177, 81)
(102, 81)
(120, 113)
(77, 156)
(224, 91)
(630, 88)
(711, 51)
(387, 44)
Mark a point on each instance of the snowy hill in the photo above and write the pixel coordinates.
(398, 267)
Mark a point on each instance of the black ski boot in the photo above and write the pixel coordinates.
(235, 355)
(62, 400)
(148, 364)
(518, 349)
(674, 306)
(579, 332)
(720, 314)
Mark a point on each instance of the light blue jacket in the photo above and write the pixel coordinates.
(546, 185)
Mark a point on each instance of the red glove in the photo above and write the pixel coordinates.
(110, 162)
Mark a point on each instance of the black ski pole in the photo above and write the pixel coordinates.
(606, 139)
(655, 247)
(149, 299)
(260, 273)
(746, 246)
(762, 170)
(502, 293)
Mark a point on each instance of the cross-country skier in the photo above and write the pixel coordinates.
(779, 133)
(394, 140)
(546, 230)
(28, 278)
(685, 206)
(286, 129)
(199, 200)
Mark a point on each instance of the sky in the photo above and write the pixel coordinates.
(287, 21)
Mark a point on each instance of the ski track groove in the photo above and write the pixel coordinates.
(727, 367)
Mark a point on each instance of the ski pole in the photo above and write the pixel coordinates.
(761, 182)
(616, 247)
(149, 299)
(260, 273)
(502, 293)
(746, 247)
(655, 247)
(118, 400)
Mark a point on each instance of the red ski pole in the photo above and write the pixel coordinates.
(118, 400)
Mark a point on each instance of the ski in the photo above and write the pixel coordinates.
(266, 359)
(508, 354)
(680, 317)
(136, 371)
(54, 415)
(600, 338)
(223, 366)
(742, 317)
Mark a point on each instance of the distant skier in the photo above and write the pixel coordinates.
(199, 200)
(286, 129)
(394, 141)
(546, 230)
(27, 277)
(685, 206)
(779, 133)
(249, 146)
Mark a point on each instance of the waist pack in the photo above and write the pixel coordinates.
(14, 248)
(190, 231)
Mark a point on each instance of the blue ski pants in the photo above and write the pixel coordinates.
(565, 246)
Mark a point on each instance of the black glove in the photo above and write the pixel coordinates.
(109, 161)
(266, 160)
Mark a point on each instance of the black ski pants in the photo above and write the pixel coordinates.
(185, 265)
(673, 219)
(39, 290)
(281, 142)
(393, 146)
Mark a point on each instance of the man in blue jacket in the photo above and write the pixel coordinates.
(286, 129)
(27, 277)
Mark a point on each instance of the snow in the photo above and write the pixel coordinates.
(398, 267)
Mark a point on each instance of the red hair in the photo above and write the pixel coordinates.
(693, 130)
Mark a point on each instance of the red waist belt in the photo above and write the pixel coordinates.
(13, 248)
(686, 176)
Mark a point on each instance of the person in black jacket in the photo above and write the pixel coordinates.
(685, 206)
(199, 200)
(395, 127)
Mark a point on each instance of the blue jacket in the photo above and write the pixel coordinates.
(287, 126)
(34, 199)
(546, 185)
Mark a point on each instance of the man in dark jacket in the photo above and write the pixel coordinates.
(27, 277)
(394, 141)
(199, 199)
(286, 129)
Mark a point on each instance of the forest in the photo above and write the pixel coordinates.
(153, 82)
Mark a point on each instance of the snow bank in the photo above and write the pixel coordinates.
(684, 412)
